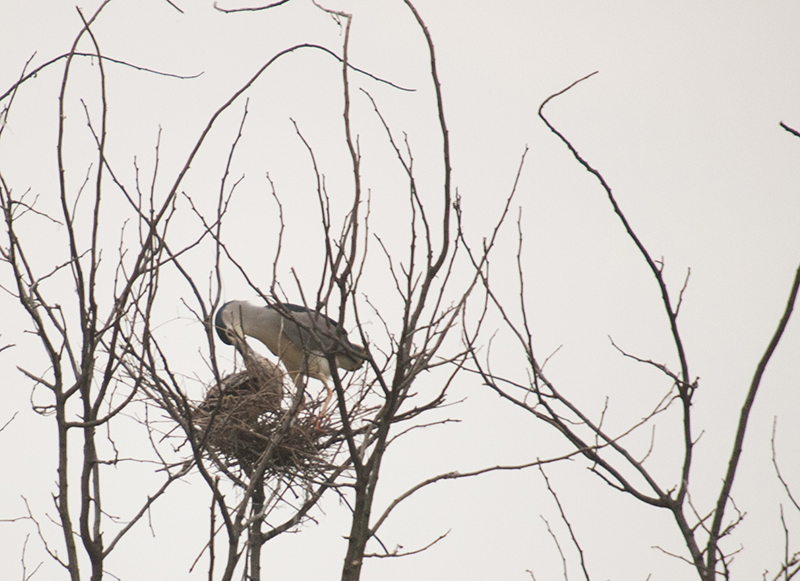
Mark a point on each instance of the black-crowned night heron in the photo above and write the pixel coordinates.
(302, 339)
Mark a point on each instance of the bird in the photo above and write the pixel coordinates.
(301, 338)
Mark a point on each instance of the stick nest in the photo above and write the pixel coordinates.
(245, 415)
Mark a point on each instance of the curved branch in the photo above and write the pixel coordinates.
(54, 60)
(459, 475)
(744, 416)
(685, 386)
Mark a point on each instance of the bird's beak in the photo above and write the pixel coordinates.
(228, 328)
(235, 333)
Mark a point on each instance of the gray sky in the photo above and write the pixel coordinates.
(682, 120)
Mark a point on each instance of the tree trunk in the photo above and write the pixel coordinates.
(256, 540)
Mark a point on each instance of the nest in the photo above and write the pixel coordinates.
(246, 414)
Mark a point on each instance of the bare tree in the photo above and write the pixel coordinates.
(124, 250)
(255, 440)
(610, 455)
(89, 331)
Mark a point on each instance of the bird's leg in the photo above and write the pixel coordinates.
(322, 414)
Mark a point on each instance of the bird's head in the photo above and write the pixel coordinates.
(226, 323)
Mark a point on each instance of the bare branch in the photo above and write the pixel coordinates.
(777, 469)
(253, 9)
(566, 522)
(70, 55)
(794, 132)
(733, 463)
(459, 475)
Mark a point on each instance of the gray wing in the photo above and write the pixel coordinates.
(315, 333)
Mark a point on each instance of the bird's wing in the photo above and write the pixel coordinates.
(310, 330)
(303, 310)
(318, 333)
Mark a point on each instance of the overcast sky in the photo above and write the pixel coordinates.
(683, 122)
